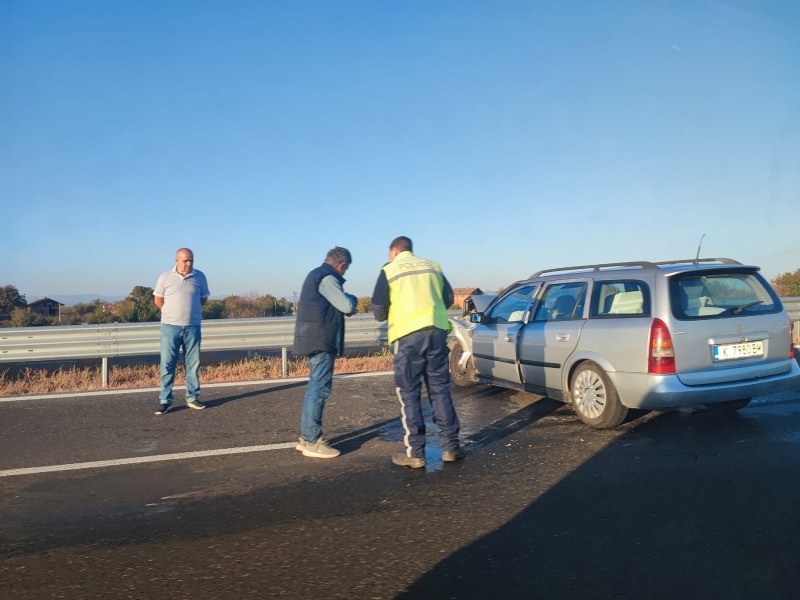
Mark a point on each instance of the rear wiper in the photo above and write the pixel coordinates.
(739, 309)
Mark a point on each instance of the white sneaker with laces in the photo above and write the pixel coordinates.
(320, 449)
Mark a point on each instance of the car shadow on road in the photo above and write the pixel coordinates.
(390, 430)
(511, 423)
(698, 506)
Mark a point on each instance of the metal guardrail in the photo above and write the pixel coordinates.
(792, 306)
(26, 344)
(29, 344)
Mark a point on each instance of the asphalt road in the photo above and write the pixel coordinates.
(670, 505)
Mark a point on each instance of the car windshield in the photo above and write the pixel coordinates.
(721, 295)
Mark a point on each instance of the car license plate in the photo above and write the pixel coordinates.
(734, 351)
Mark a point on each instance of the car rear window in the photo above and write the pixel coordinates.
(721, 295)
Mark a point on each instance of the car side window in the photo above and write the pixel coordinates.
(512, 307)
(621, 298)
(562, 301)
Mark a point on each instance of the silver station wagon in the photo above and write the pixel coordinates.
(610, 337)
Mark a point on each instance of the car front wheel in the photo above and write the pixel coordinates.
(595, 399)
(462, 376)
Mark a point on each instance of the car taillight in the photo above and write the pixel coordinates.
(662, 356)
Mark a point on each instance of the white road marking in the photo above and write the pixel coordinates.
(144, 459)
(163, 457)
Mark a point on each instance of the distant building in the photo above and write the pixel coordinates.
(46, 307)
(460, 296)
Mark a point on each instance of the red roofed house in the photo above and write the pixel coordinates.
(461, 294)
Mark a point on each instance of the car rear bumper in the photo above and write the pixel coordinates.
(656, 392)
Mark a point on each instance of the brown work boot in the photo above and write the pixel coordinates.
(453, 454)
(401, 459)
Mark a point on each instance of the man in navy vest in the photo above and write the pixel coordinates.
(319, 336)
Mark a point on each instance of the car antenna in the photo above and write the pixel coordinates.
(697, 258)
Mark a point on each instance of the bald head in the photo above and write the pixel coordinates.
(184, 261)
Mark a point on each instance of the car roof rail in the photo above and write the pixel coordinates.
(690, 261)
(641, 264)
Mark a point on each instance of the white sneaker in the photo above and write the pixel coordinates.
(320, 449)
(301, 444)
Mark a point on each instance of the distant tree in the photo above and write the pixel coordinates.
(22, 317)
(214, 309)
(268, 305)
(142, 294)
(68, 315)
(274, 307)
(10, 298)
(84, 308)
(283, 307)
(93, 313)
(787, 284)
(242, 307)
(138, 307)
(364, 304)
(252, 305)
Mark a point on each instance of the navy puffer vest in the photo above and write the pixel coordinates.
(319, 326)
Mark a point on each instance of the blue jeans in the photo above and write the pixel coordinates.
(173, 337)
(320, 366)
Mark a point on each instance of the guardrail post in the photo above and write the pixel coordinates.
(284, 362)
(104, 368)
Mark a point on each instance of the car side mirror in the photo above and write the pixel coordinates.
(476, 318)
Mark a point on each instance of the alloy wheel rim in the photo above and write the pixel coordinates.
(589, 395)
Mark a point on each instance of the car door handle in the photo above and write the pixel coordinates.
(508, 339)
(562, 337)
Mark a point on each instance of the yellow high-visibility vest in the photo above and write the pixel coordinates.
(416, 289)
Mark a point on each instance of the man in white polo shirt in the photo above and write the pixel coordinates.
(180, 294)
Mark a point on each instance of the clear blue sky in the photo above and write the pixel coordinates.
(503, 137)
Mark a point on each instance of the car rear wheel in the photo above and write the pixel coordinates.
(462, 376)
(595, 399)
(730, 405)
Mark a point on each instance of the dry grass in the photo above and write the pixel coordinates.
(31, 381)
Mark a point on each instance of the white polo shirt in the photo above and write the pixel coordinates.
(182, 296)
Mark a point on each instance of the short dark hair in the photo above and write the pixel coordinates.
(339, 255)
(401, 243)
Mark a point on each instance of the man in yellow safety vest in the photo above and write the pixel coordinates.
(413, 294)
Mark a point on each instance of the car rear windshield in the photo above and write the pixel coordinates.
(715, 295)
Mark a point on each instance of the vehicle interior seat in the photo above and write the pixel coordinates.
(606, 298)
(692, 299)
(627, 303)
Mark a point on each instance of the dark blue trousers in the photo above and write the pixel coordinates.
(420, 357)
